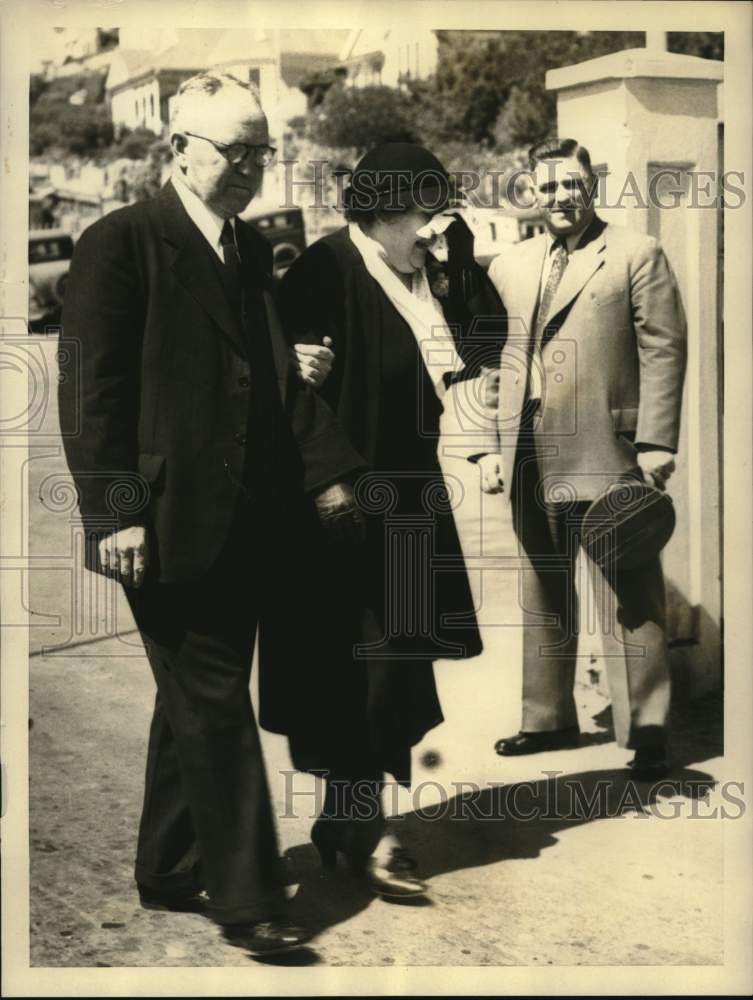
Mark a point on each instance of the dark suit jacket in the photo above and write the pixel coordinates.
(159, 399)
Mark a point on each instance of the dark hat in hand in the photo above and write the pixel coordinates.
(627, 525)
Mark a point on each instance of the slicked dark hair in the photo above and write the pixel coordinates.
(560, 149)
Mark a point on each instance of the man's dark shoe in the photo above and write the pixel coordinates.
(523, 743)
(173, 901)
(649, 764)
(266, 937)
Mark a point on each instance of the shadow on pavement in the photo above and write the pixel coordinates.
(522, 819)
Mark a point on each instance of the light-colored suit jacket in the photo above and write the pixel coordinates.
(609, 375)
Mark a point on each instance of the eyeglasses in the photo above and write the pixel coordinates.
(237, 152)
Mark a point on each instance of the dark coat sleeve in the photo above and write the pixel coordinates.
(328, 456)
(99, 368)
(312, 306)
(472, 306)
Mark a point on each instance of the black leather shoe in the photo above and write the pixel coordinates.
(174, 901)
(523, 743)
(649, 764)
(266, 937)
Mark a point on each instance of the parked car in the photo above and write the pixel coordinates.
(285, 230)
(50, 252)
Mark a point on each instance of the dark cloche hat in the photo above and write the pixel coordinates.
(627, 525)
(397, 175)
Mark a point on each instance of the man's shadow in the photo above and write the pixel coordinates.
(514, 821)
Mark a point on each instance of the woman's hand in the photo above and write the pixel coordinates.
(339, 514)
(313, 362)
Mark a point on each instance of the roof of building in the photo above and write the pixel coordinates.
(300, 50)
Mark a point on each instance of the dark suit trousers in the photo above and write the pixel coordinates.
(628, 611)
(207, 818)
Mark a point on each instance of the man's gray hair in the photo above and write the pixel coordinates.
(206, 84)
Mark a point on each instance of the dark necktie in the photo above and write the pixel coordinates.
(232, 259)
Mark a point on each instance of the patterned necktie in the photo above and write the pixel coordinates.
(560, 258)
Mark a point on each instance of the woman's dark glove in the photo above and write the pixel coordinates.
(462, 269)
(339, 513)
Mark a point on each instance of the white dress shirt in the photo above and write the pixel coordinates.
(208, 222)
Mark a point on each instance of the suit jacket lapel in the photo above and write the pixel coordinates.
(528, 280)
(585, 261)
(192, 268)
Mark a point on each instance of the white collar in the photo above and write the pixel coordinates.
(207, 222)
(418, 307)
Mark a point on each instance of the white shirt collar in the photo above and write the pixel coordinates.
(207, 222)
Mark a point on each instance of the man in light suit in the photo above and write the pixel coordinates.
(194, 444)
(590, 389)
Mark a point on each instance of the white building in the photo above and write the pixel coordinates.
(389, 56)
(150, 65)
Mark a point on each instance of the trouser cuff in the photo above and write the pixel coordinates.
(172, 882)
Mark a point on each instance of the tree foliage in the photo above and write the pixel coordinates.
(59, 127)
(360, 118)
(488, 91)
(135, 144)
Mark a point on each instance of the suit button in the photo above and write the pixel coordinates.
(244, 382)
(240, 438)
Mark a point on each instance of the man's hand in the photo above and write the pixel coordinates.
(490, 467)
(313, 362)
(657, 466)
(126, 553)
(339, 513)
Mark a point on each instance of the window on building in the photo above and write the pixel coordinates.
(151, 105)
(254, 76)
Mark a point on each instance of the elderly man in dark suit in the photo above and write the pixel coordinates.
(194, 445)
(590, 390)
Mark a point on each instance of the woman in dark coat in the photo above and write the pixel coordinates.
(382, 607)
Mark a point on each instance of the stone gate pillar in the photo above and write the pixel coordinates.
(651, 122)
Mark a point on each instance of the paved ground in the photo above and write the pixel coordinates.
(623, 884)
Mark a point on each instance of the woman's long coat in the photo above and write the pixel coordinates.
(309, 679)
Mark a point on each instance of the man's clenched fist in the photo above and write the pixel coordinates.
(126, 553)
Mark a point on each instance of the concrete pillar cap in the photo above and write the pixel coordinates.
(630, 63)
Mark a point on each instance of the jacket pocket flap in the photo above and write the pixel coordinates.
(625, 420)
(150, 466)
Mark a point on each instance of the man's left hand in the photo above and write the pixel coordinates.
(657, 465)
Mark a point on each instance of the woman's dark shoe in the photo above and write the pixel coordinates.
(327, 836)
(390, 874)
(394, 876)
